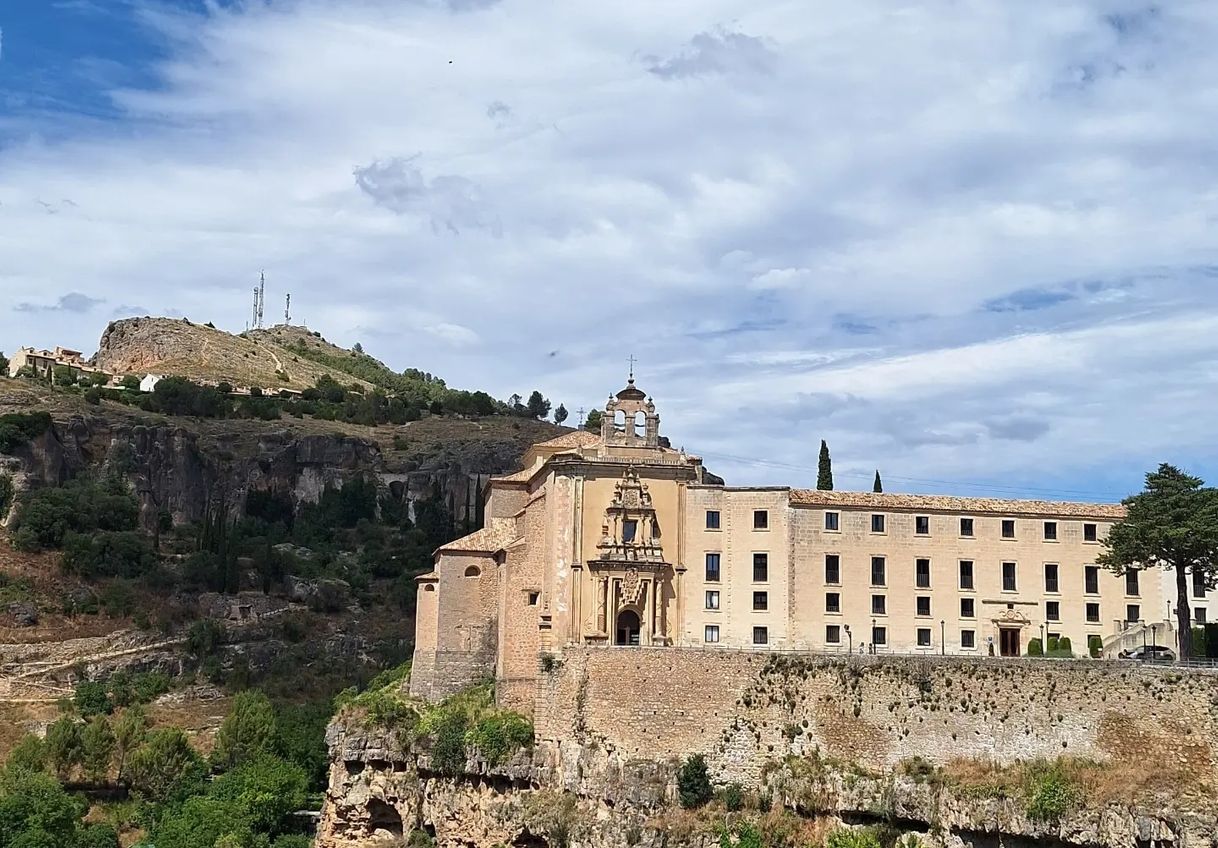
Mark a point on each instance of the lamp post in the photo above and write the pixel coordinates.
(1142, 622)
(942, 637)
(873, 635)
(849, 639)
(1043, 646)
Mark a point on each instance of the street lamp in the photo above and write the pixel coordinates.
(849, 638)
(942, 637)
(1142, 622)
(1044, 649)
(873, 635)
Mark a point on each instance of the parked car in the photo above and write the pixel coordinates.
(1150, 653)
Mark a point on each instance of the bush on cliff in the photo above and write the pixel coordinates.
(1049, 791)
(46, 516)
(17, 428)
(693, 783)
(499, 735)
(844, 837)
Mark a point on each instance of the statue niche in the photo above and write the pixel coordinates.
(630, 574)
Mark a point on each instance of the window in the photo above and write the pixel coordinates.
(761, 519)
(1093, 613)
(968, 638)
(877, 524)
(1131, 582)
(1050, 531)
(473, 571)
(966, 574)
(1090, 532)
(712, 600)
(833, 634)
(922, 525)
(1133, 613)
(1198, 584)
(1091, 579)
(832, 521)
(833, 602)
(761, 601)
(761, 635)
(712, 519)
(1008, 528)
(966, 527)
(968, 608)
(879, 636)
(761, 568)
(1053, 611)
(923, 637)
(1051, 577)
(712, 568)
(630, 527)
(1199, 615)
(711, 633)
(877, 571)
(833, 568)
(1008, 577)
(879, 605)
(534, 598)
(922, 573)
(923, 604)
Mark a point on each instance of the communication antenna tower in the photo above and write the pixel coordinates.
(287, 309)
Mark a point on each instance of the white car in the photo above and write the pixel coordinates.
(1150, 653)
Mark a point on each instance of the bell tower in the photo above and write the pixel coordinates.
(630, 418)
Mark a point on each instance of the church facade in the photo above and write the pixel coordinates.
(615, 539)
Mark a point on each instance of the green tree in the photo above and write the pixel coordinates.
(62, 375)
(91, 699)
(3, 364)
(247, 730)
(165, 767)
(62, 745)
(97, 748)
(29, 754)
(824, 468)
(130, 731)
(1172, 524)
(130, 382)
(560, 414)
(593, 422)
(878, 485)
(36, 812)
(693, 782)
(537, 406)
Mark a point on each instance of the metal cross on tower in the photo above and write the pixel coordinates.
(632, 361)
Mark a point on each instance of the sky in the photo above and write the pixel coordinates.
(971, 244)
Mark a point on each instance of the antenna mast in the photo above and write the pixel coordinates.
(287, 309)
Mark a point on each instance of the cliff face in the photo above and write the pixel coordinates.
(583, 797)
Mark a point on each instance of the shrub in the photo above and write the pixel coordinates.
(205, 637)
(1095, 646)
(97, 748)
(126, 553)
(247, 731)
(1049, 792)
(733, 797)
(1064, 646)
(62, 746)
(1035, 649)
(693, 783)
(46, 516)
(91, 699)
(844, 837)
(17, 428)
(29, 754)
(448, 744)
(6, 494)
(500, 735)
(165, 767)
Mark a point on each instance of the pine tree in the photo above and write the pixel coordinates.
(877, 486)
(593, 422)
(560, 414)
(824, 469)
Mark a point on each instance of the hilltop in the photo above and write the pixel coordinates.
(201, 352)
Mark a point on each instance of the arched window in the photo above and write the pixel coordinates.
(640, 424)
(428, 587)
(473, 571)
(619, 419)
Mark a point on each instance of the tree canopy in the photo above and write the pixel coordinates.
(824, 468)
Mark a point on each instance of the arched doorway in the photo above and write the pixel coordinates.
(627, 628)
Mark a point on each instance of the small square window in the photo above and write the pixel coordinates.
(1053, 611)
(1093, 613)
(968, 638)
(1008, 577)
(712, 568)
(1199, 615)
(877, 523)
(1051, 577)
(879, 605)
(1050, 531)
(712, 600)
(1133, 614)
(534, 598)
(711, 633)
(833, 602)
(1131, 582)
(761, 601)
(879, 636)
(923, 605)
(922, 525)
(761, 635)
(878, 568)
(1090, 532)
(923, 637)
(966, 574)
(1199, 587)
(1091, 579)
(968, 608)
(833, 568)
(833, 634)
(712, 519)
(966, 527)
(833, 521)
(922, 573)
(761, 519)
(630, 529)
(761, 568)
(1008, 528)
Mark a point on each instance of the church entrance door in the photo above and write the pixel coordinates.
(627, 628)
(1008, 641)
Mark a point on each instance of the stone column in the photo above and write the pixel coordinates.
(650, 625)
(602, 602)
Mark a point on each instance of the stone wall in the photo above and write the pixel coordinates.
(743, 708)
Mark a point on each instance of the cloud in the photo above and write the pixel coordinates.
(1027, 299)
(453, 203)
(718, 51)
(71, 302)
(1017, 428)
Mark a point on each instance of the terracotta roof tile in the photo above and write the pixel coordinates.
(495, 536)
(946, 503)
(574, 439)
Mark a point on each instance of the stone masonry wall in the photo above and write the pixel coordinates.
(742, 709)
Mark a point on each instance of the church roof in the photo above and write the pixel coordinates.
(945, 503)
(574, 439)
(631, 392)
(494, 537)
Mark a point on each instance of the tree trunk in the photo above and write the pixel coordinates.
(1183, 614)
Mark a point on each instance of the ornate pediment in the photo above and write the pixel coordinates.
(631, 532)
(1012, 618)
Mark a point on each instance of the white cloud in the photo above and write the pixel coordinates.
(962, 247)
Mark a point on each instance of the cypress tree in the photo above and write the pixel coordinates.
(877, 486)
(824, 469)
